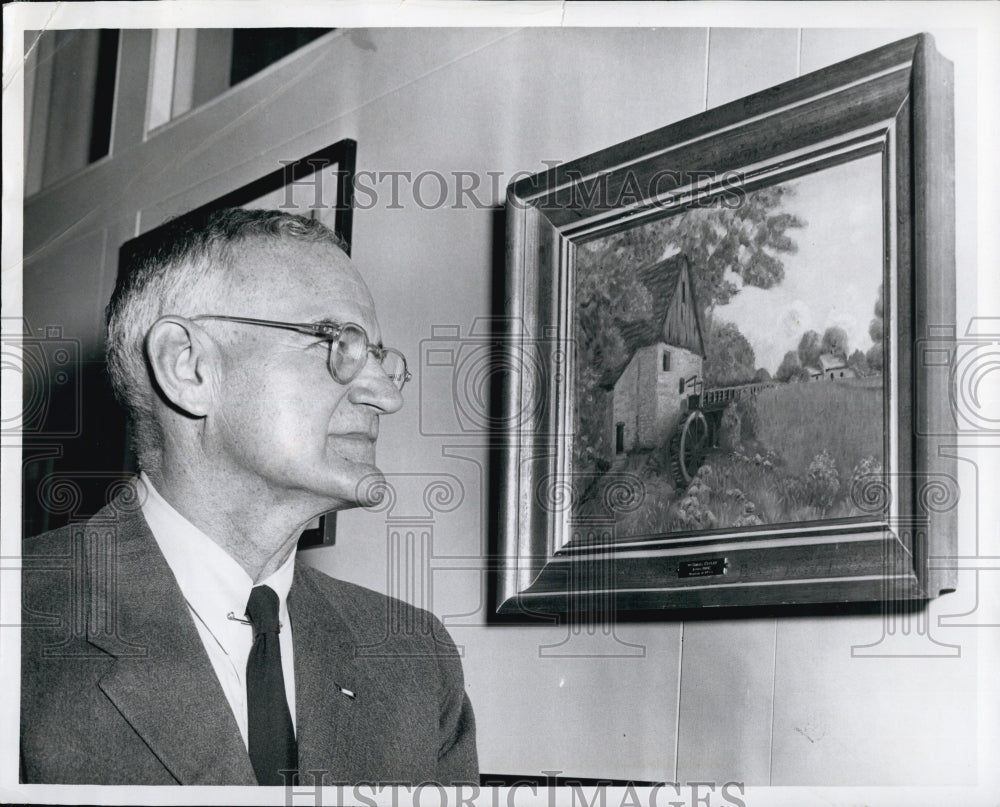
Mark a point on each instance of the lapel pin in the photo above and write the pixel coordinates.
(344, 691)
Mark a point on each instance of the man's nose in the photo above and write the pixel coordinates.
(372, 386)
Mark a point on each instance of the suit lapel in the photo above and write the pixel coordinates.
(162, 681)
(328, 720)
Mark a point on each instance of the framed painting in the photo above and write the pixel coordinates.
(319, 185)
(720, 391)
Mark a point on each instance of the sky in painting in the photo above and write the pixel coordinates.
(834, 277)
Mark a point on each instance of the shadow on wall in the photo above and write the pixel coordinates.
(74, 455)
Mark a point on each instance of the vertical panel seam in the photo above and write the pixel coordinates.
(677, 709)
(798, 55)
(708, 50)
(774, 679)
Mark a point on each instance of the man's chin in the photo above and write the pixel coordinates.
(354, 479)
(363, 486)
(371, 489)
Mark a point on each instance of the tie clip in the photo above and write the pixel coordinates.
(235, 618)
(345, 691)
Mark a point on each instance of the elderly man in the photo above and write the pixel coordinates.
(175, 637)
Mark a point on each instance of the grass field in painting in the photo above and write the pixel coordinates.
(792, 457)
(844, 417)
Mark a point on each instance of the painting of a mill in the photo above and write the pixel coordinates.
(665, 369)
(724, 370)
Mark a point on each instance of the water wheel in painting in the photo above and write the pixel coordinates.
(688, 447)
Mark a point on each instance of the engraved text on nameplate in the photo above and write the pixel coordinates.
(702, 568)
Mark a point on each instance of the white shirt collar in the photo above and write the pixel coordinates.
(212, 582)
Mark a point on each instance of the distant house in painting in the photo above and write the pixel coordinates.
(834, 367)
(830, 368)
(652, 391)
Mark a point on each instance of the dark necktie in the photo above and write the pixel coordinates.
(269, 724)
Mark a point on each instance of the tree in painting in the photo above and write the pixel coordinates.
(858, 362)
(834, 342)
(789, 368)
(877, 332)
(730, 358)
(728, 247)
(810, 349)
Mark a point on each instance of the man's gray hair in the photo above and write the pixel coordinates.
(174, 270)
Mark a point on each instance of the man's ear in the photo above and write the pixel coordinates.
(184, 363)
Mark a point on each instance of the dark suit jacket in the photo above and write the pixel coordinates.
(117, 687)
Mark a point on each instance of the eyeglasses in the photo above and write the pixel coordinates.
(349, 347)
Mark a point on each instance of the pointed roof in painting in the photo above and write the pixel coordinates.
(662, 279)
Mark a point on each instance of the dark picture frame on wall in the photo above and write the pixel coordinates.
(301, 186)
(727, 353)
